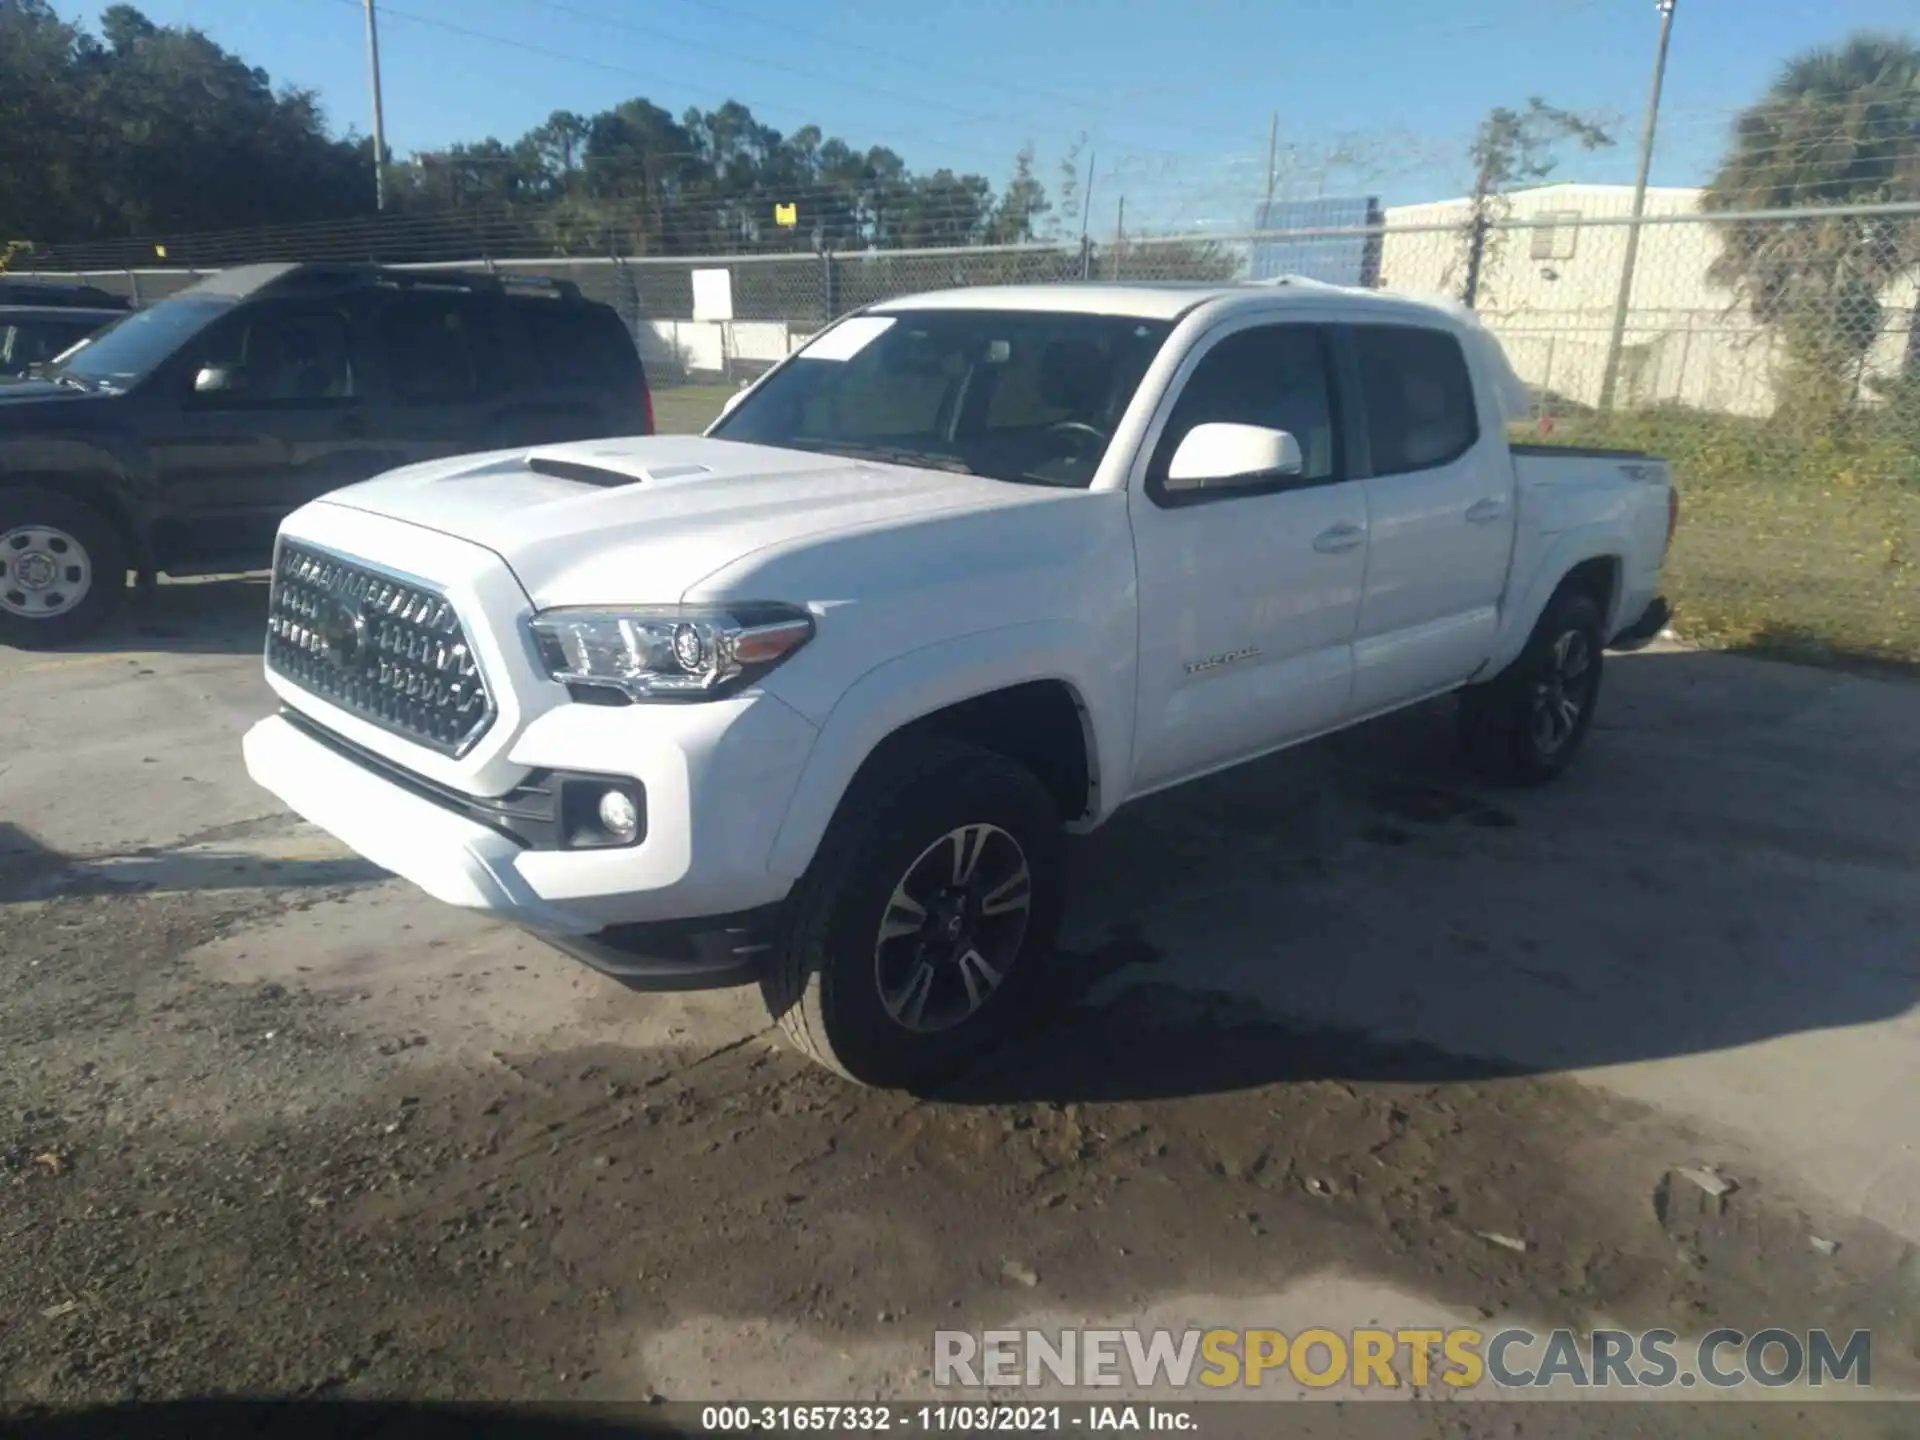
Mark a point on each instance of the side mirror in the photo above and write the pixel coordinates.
(216, 379)
(1229, 454)
(727, 406)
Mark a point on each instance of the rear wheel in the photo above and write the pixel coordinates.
(912, 941)
(63, 569)
(1528, 723)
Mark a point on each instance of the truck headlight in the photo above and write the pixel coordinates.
(659, 652)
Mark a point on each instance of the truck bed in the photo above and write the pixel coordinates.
(1591, 452)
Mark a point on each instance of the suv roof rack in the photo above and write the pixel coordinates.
(477, 281)
(241, 280)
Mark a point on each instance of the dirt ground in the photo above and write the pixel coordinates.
(274, 1124)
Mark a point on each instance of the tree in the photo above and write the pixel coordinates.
(154, 129)
(150, 130)
(1838, 126)
(1023, 208)
(1512, 149)
(1066, 224)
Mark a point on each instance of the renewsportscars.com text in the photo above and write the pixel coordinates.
(1510, 1359)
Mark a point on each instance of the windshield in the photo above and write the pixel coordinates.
(129, 349)
(1025, 395)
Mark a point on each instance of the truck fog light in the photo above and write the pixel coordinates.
(619, 816)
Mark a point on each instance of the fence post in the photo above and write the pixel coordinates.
(829, 286)
(631, 289)
(133, 286)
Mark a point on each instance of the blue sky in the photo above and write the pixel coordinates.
(1174, 95)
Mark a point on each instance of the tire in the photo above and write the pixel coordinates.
(63, 569)
(1526, 725)
(878, 1009)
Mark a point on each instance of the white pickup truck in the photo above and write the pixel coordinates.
(812, 700)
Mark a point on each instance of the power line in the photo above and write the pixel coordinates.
(919, 133)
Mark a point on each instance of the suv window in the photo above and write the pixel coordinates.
(1419, 397)
(1273, 375)
(34, 342)
(579, 347)
(283, 357)
(429, 349)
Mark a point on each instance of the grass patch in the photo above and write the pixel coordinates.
(1797, 539)
(688, 409)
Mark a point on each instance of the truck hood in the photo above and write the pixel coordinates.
(579, 523)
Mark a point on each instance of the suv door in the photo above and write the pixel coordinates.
(1248, 594)
(260, 414)
(1440, 490)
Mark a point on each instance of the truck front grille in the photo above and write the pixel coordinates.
(388, 650)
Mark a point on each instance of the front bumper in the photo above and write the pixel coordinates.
(708, 952)
(686, 907)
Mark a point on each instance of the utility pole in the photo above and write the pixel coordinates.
(1273, 160)
(1610, 377)
(1086, 213)
(379, 114)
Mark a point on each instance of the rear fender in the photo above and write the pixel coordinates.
(1527, 599)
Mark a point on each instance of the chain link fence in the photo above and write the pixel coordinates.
(1773, 358)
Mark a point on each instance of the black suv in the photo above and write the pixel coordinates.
(55, 294)
(175, 441)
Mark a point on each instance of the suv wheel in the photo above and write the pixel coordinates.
(1526, 724)
(910, 943)
(63, 569)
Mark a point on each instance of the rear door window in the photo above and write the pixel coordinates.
(579, 347)
(1418, 395)
(432, 351)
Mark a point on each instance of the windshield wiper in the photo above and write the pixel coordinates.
(74, 381)
(887, 455)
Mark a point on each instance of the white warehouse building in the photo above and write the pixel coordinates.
(1548, 290)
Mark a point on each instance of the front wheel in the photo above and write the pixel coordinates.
(1526, 724)
(911, 943)
(63, 569)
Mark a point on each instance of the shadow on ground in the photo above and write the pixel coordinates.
(1805, 647)
(31, 871)
(225, 616)
(1734, 861)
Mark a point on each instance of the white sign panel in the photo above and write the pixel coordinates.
(713, 295)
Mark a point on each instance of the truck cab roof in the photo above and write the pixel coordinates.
(1171, 301)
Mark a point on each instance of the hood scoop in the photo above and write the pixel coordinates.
(607, 476)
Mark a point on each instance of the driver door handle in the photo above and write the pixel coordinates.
(1485, 512)
(1340, 539)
